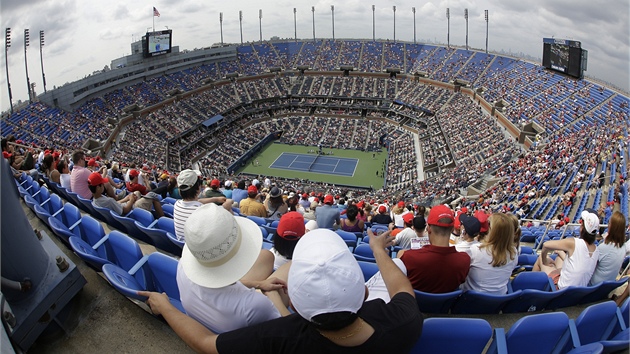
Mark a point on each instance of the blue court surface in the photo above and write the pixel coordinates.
(339, 166)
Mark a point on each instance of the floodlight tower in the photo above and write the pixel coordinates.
(260, 23)
(373, 23)
(332, 10)
(41, 56)
(486, 13)
(448, 27)
(221, 25)
(7, 45)
(28, 81)
(413, 9)
(295, 23)
(394, 8)
(466, 17)
(240, 20)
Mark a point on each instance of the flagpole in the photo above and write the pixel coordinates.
(154, 19)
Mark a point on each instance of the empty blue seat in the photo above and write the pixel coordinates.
(64, 224)
(572, 296)
(171, 236)
(113, 248)
(436, 303)
(363, 252)
(108, 217)
(540, 333)
(257, 219)
(530, 280)
(602, 290)
(130, 226)
(368, 269)
(349, 238)
(155, 272)
(475, 302)
(597, 323)
(159, 238)
(168, 210)
(453, 335)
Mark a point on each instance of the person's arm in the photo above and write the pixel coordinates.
(395, 280)
(567, 245)
(219, 200)
(196, 335)
(129, 205)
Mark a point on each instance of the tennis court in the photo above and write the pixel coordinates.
(339, 166)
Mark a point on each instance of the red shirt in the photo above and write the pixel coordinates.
(434, 269)
(132, 187)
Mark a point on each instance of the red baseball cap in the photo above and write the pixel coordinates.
(252, 189)
(483, 219)
(305, 196)
(382, 209)
(408, 218)
(464, 210)
(56, 155)
(291, 226)
(6, 155)
(401, 204)
(360, 204)
(95, 179)
(328, 199)
(92, 162)
(215, 183)
(134, 173)
(441, 212)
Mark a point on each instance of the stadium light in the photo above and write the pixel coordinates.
(41, 56)
(221, 25)
(486, 15)
(373, 24)
(7, 45)
(295, 23)
(240, 20)
(28, 81)
(313, 10)
(448, 27)
(332, 10)
(260, 23)
(466, 17)
(394, 8)
(413, 9)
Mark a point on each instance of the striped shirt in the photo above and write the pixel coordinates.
(181, 212)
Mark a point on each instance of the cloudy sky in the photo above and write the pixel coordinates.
(84, 36)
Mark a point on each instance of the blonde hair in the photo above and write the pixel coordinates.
(500, 239)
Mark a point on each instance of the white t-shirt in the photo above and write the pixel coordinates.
(65, 178)
(483, 276)
(464, 246)
(278, 259)
(181, 212)
(376, 284)
(578, 269)
(398, 218)
(403, 239)
(224, 309)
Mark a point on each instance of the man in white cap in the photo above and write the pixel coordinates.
(221, 265)
(577, 257)
(189, 184)
(326, 288)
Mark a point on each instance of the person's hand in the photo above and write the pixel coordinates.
(156, 301)
(271, 284)
(220, 199)
(381, 241)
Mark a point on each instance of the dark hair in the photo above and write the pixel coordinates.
(419, 224)
(284, 247)
(241, 184)
(589, 238)
(76, 156)
(47, 162)
(92, 188)
(333, 321)
(61, 164)
(172, 184)
(352, 212)
(5, 144)
(191, 193)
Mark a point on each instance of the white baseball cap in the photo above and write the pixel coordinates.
(590, 221)
(324, 276)
(187, 178)
(220, 248)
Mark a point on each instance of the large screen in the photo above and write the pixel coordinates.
(564, 56)
(157, 43)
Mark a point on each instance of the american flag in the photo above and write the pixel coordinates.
(156, 12)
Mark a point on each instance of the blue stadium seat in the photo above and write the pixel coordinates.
(168, 210)
(453, 335)
(597, 323)
(368, 269)
(349, 238)
(64, 224)
(530, 280)
(475, 302)
(363, 252)
(603, 290)
(113, 248)
(129, 224)
(155, 272)
(159, 238)
(572, 296)
(540, 333)
(436, 303)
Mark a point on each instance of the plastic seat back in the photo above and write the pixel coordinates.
(437, 336)
(572, 296)
(603, 290)
(168, 209)
(258, 220)
(348, 237)
(91, 230)
(368, 269)
(125, 251)
(531, 280)
(142, 216)
(436, 303)
(363, 252)
(130, 226)
(474, 302)
(531, 300)
(596, 322)
(540, 333)
(166, 224)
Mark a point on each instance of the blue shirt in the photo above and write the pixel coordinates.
(327, 216)
(238, 195)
